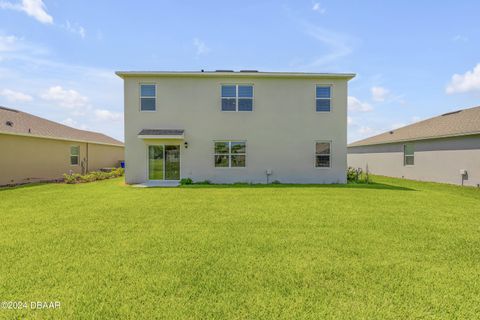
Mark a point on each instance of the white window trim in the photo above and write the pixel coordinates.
(230, 154)
(410, 155)
(315, 154)
(237, 97)
(331, 95)
(140, 96)
(164, 159)
(75, 155)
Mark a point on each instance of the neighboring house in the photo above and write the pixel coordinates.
(228, 127)
(441, 149)
(34, 149)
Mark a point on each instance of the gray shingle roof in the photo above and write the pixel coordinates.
(161, 132)
(17, 122)
(457, 123)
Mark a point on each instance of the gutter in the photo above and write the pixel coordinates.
(417, 139)
(62, 139)
(214, 74)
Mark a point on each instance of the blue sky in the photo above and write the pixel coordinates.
(413, 60)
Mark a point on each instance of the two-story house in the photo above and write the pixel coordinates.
(228, 127)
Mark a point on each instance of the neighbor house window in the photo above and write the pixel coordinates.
(237, 97)
(148, 100)
(323, 98)
(408, 154)
(322, 154)
(230, 154)
(74, 155)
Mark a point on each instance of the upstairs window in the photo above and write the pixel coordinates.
(408, 154)
(237, 97)
(230, 154)
(74, 155)
(148, 97)
(323, 98)
(322, 154)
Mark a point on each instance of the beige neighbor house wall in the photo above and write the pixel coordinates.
(280, 132)
(437, 160)
(32, 159)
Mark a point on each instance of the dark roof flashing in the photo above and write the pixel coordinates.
(161, 132)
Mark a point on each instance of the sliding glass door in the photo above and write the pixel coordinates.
(172, 162)
(164, 162)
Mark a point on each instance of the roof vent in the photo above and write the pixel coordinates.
(453, 112)
(391, 132)
(220, 70)
(9, 123)
(248, 70)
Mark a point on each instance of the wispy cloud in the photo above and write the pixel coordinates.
(355, 105)
(337, 45)
(200, 46)
(460, 38)
(15, 96)
(33, 8)
(317, 7)
(69, 99)
(467, 82)
(75, 29)
(107, 115)
(379, 94)
(65, 91)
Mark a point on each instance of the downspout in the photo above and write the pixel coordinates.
(87, 160)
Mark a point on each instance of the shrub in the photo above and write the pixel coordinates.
(185, 181)
(356, 175)
(71, 178)
(92, 176)
(204, 182)
(276, 182)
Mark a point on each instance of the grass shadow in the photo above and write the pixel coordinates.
(25, 186)
(373, 185)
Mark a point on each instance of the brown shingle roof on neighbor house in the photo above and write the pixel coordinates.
(451, 124)
(20, 123)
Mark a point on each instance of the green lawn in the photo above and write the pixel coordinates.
(390, 250)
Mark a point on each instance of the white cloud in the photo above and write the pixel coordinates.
(74, 124)
(349, 120)
(460, 38)
(318, 8)
(379, 94)
(8, 43)
(200, 46)
(355, 104)
(107, 115)
(76, 29)
(467, 82)
(398, 125)
(15, 96)
(33, 8)
(69, 99)
(366, 131)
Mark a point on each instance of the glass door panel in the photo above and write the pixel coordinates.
(172, 162)
(155, 162)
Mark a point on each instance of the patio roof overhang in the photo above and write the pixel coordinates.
(176, 134)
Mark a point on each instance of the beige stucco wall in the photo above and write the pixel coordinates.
(280, 132)
(437, 160)
(30, 159)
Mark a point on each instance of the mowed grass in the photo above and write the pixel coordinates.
(394, 249)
